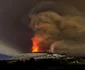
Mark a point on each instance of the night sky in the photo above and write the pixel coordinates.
(14, 22)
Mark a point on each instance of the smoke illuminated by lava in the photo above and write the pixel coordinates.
(36, 41)
(60, 28)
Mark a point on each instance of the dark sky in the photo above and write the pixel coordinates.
(12, 28)
(15, 30)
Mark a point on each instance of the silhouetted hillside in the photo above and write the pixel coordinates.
(44, 64)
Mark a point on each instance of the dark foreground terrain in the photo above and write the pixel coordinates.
(43, 64)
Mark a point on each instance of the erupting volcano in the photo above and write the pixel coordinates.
(36, 41)
(54, 32)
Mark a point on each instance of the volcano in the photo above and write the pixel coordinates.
(37, 55)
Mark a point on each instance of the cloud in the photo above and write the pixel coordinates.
(8, 50)
(63, 25)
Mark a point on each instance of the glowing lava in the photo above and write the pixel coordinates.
(36, 41)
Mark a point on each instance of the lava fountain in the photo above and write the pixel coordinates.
(36, 41)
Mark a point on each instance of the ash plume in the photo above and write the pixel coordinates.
(61, 27)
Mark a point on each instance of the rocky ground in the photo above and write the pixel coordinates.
(46, 57)
(45, 61)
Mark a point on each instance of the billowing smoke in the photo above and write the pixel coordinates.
(7, 50)
(61, 27)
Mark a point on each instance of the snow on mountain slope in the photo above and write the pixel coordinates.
(37, 56)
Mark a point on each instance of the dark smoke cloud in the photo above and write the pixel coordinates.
(57, 6)
(61, 26)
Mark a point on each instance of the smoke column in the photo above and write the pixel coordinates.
(60, 26)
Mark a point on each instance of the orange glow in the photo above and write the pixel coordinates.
(36, 41)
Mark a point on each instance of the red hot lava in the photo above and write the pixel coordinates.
(36, 41)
